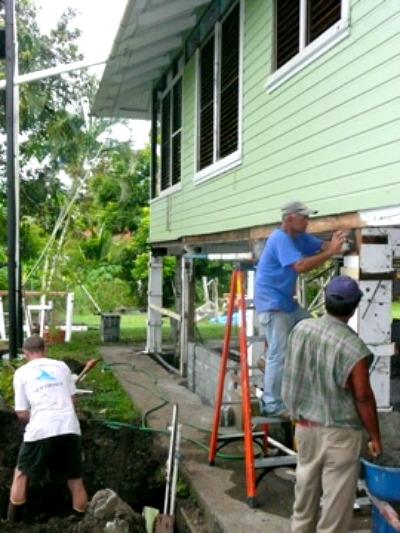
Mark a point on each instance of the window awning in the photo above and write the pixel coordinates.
(149, 37)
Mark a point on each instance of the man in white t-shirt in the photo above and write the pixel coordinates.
(44, 392)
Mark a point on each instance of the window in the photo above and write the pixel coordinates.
(304, 29)
(167, 123)
(218, 109)
(171, 134)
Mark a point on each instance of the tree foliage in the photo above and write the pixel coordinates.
(81, 193)
(84, 196)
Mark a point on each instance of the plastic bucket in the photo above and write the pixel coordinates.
(383, 482)
(379, 524)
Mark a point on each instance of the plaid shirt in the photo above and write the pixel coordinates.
(321, 353)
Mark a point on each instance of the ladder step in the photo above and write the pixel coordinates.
(259, 420)
(280, 460)
(239, 435)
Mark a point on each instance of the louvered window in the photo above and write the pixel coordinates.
(300, 22)
(219, 91)
(166, 141)
(171, 132)
(176, 132)
(207, 104)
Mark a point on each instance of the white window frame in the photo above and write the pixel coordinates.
(309, 53)
(167, 192)
(171, 80)
(235, 158)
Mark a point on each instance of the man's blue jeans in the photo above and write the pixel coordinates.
(276, 325)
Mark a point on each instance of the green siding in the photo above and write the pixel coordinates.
(330, 135)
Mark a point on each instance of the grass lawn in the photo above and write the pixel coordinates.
(108, 401)
(133, 327)
(396, 310)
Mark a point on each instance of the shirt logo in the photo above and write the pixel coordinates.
(45, 376)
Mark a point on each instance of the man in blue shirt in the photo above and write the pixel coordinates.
(288, 252)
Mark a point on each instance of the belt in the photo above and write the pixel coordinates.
(308, 423)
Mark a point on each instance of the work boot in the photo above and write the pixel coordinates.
(15, 513)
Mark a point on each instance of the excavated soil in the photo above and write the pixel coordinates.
(124, 460)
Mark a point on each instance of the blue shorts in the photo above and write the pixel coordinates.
(60, 456)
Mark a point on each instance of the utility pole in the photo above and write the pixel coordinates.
(15, 334)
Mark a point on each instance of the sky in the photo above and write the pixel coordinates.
(99, 21)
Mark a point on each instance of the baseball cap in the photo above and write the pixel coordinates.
(343, 289)
(296, 207)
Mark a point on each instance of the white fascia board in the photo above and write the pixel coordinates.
(385, 216)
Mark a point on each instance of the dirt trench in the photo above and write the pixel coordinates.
(125, 460)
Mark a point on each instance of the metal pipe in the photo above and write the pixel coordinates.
(281, 446)
(53, 71)
(177, 457)
(164, 363)
(15, 336)
(171, 454)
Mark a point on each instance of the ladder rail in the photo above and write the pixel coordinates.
(246, 405)
(222, 371)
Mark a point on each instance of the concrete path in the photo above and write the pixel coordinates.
(220, 490)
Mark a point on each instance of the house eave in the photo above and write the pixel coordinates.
(150, 35)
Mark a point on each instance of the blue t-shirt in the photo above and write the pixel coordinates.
(275, 281)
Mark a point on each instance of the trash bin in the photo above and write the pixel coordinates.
(109, 329)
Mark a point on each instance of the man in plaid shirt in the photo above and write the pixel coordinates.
(326, 390)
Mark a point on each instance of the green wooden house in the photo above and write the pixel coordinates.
(254, 103)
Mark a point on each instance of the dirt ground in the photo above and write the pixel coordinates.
(123, 460)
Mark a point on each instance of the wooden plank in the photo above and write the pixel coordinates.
(346, 221)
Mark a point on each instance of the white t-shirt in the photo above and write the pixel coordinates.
(44, 387)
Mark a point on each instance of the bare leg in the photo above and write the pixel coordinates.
(18, 488)
(17, 496)
(79, 495)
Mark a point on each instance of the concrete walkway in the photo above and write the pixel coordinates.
(220, 490)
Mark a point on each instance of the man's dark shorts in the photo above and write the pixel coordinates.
(61, 456)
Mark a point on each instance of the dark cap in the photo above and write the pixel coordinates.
(343, 289)
(298, 208)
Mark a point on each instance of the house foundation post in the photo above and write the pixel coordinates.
(154, 316)
(374, 271)
(255, 338)
(187, 311)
